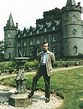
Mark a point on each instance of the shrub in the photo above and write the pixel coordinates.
(30, 65)
(11, 69)
(2, 67)
(7, 66)
(35, 64)
(65, 64)
(58, 64)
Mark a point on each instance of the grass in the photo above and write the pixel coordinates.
(68, 83)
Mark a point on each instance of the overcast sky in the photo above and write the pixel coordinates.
(25, 12)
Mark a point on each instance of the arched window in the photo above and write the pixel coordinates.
(54, 38)
(74, 31)
(9, 55)
(75, 49)
(73, 18)
(8, 35)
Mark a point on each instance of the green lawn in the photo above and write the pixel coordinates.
(68, 83)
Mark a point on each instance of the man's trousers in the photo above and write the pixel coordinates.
(42, 72)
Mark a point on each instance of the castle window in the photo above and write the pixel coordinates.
(74, 31)
(8, 35)
(75, 49)
(73, 18)
(38, 41)
(9, 56)
(25, 44)
(31, 42)
(54, 38)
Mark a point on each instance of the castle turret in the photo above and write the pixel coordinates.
(71, 28)
(70, 3)
(10, 32)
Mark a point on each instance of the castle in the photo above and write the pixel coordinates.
(61, 28)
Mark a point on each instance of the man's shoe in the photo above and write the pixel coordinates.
(30, 95)
(47, 100)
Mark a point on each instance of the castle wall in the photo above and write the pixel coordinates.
(73, 46)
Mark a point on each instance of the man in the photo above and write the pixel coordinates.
(46, 61)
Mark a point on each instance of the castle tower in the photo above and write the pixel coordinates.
(71, 28)
(10, 32)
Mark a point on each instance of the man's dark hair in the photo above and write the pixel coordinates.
(45, 43)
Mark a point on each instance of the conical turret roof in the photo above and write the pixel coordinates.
(10, 21)
(70, 3)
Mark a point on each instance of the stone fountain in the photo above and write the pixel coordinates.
(20, 97)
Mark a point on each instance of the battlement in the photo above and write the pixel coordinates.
(72, 8)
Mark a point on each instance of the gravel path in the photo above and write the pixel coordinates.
(38, 100)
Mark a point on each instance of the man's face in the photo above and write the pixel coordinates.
(45, 47)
